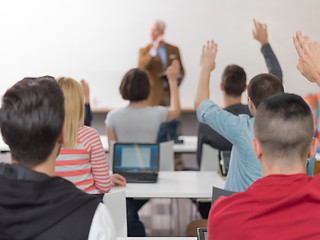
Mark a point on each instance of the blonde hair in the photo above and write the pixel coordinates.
(74, 109)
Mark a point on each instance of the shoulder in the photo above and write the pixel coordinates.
(86, 132)
(102, 226)
(147, 48)
(168, 45)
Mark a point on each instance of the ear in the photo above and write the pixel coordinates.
(256, 148)
(313, 147)
(62, 135)
(251, 106)
(246, 87)
(221, 87)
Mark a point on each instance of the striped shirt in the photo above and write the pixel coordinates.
(86, 165)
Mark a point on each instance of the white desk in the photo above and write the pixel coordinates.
(189, 144)
(176, 184)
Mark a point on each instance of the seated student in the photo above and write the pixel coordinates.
(285, 202)
(81, 159)
(244, 167)
(34, 204)
(233, 84)
(140, 123)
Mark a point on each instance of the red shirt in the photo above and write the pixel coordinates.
(273, 207)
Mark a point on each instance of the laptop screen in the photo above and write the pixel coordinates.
(136, 157)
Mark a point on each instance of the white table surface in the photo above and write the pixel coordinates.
(176, 184)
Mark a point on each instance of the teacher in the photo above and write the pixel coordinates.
(155, 58)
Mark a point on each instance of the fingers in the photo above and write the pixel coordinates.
(118, 180)
(297, 46)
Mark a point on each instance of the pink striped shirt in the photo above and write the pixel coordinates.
(86, 165)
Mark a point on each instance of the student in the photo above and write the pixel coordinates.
(285, 202)
(139, 122)
(81, 159)
(34, 204)
(233, 84)
(244, 167)
(309, 57)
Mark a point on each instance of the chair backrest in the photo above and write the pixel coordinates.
(224, 160)
(110, 155)
(209, 159)
(116, 203)
(166, 156)
(217, 192)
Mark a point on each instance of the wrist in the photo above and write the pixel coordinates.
(264, 43)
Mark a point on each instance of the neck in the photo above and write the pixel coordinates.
(297, 167)
(139, 104)
(230, 100)
(48, 166)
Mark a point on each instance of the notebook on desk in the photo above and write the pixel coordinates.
(138, 163)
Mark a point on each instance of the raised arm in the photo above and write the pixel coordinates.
(173, 72)
(207, 63)
(309, 57)
(86, 94)
(260, 33)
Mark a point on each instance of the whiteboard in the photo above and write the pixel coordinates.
(98, 40)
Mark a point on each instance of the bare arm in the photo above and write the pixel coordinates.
(173, 72)
(309, 57)
(260, 33)
(207, 63)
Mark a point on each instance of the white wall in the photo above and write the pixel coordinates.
(98, 40)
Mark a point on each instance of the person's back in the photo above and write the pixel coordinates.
(284, 203)
(34, 203)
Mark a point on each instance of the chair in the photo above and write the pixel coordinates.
(110, 156)
(209, 159)
(166, 158)
(224, 159)
(116, 203)
(217, 192)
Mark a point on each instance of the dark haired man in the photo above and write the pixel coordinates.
(233, 84)
(244, 167)
(284, 203)
(34, 204)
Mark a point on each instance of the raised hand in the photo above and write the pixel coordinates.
(309, 57)
(208, 56)
(173, 71)
(260, 32)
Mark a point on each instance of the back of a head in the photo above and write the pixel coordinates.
(263, 86)
(284, 126)
(135, 85)
(234, 80)
(31, 119)
(74, 107)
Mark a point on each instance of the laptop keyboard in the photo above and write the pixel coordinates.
(140, 177)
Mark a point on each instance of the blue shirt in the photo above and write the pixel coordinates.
(162, 51)
(244, 167)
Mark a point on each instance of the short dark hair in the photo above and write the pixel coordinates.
(31, 119)
(135, 85)
(262, 86)
(284, 126)
(234, 80)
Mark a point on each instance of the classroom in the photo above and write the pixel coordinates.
(95, 51)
